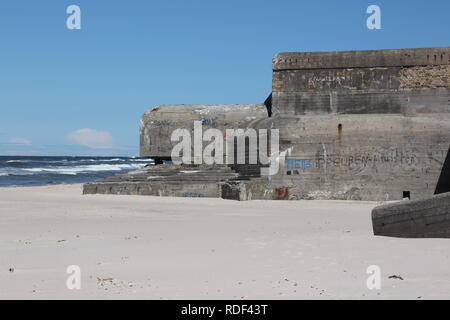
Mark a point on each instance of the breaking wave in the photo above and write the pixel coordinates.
(89, 168)
(28, 171)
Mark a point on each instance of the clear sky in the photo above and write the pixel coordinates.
(82, 92)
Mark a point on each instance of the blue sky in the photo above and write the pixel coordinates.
(82, 92)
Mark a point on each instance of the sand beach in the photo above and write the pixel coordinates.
(137, 247)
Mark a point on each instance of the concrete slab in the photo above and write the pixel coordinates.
(428, 218)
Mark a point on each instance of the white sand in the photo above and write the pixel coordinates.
(179, 248)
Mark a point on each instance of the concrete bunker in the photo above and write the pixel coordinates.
(360, 125)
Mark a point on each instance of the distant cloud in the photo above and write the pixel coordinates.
(20, 142)
(92, 138)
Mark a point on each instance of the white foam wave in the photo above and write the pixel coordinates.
(100, 160)
(13, 171)
(114, 160)
(86, 169)
(141, 160)
(18, 161)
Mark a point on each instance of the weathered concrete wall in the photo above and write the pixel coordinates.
(378, 81)
(166, 181)
(361, 59)
(424, 77)
(361, 157)
(370, 125)
(158, 123)
(428, 218)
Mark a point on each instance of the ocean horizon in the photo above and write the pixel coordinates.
(22, 171)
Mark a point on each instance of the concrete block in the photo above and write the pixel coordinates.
(428, 218)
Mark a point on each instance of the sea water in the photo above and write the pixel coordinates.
(38, 171)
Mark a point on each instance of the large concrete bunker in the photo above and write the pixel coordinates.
(360, 125)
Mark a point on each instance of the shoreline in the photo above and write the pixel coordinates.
(141, 247)
(44, 185)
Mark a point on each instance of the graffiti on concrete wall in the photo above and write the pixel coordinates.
(292, 164)
(359, 160)
(160, 123)
(212, 122)
(191, 195)
(367, 159)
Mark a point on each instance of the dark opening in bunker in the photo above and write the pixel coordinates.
(443, 184)
(406, 195)
(268, 104)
